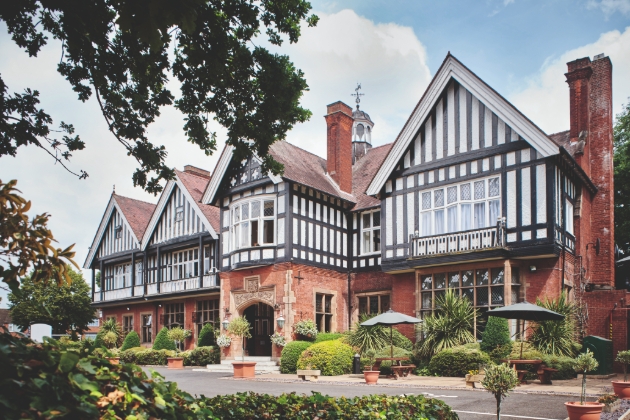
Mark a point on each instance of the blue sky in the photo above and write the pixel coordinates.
(393, 48)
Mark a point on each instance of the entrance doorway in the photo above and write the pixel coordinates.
(260, 317)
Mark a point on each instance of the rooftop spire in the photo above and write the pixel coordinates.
(357, 94)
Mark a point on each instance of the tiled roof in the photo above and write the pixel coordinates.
(5, 317)
(362, 173)
(563, 139)
(138, 213)
(196, 185)
(307, 169)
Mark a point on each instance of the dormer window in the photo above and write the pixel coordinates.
(118, 232)
(253, 223)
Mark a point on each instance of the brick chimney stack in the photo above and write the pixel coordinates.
(590, 93)
(339, 134)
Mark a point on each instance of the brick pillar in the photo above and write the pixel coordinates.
(339, 147)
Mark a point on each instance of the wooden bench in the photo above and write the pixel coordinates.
(521, 376)
(402, 371)
(544, 374)
(311, 374)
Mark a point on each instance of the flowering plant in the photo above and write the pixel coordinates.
(607, 399)
(278, 339)
(307, 328)
(224, 340)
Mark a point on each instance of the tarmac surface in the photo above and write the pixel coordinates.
(532, 401)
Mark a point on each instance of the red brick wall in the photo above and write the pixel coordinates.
(339, 146)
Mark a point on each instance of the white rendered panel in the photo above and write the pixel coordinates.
(487, 127)
(411, 181)
(281, 204)
(497, 161)
(295, 204)
(317, 211)
(510, 158)
(451, 120)
(526, 197)
(485, 164)
(310, 209)
(302, 232)
(417, 149)
(324, 239)
(526, 236)
(400, 226)
(525, 155)
(318, 244)
(541, 195)
(500, 132)
(428, 141)
(338, 243)
(541, 233)
(399, 184)
(463, 120)
(410, 214)
(281, 231)
(389, 228)
(303, 208)
(475, 124)
(407, 160)
(345, 245)
(295, 231)
(511, 199)
(439, 130)
(310, 235)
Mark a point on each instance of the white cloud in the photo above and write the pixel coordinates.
(610, 6)
(545, 99)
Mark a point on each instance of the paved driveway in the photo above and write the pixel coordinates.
(473, 405)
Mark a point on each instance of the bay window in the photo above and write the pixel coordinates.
(466, 206)
(371, 232)
(253, 223)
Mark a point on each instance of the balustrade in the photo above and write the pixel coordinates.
(173, 286)
(456, 242)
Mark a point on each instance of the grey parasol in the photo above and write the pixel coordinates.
(390, 318)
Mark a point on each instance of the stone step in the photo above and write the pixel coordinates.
(258, 363)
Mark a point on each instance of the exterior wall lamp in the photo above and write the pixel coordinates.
(280, 322)
(225, 323)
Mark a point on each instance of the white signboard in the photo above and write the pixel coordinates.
(39, 331)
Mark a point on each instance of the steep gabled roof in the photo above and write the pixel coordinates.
(362, 173)
(196, 185)
(135, 213)
(5, 316)
(563, 139)
(452, 68)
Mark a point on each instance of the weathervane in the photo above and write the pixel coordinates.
(357, 94)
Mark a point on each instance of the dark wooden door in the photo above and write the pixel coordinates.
(260, 317)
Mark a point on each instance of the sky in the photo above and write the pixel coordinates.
(393, 48)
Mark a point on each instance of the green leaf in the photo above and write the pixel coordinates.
(68, 361)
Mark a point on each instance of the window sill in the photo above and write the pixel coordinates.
(370, 254)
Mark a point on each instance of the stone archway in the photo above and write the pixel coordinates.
(261, 318)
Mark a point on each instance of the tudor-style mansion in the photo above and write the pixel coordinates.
(471, 196)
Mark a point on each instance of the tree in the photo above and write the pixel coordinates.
(118, 53)
(499, 380)
(162, 342)
(206, 336)
(556, 337)
(496, 338)
(109, 326)
(28, 245)
(131, 340)
(240, 327)
(622, 179)
(65, 307)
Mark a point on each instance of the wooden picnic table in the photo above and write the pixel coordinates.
(521, 372)
(398, 369)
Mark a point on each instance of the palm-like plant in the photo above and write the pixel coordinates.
(556, 337)
(450, 325)
(367, 338)
(114, 327)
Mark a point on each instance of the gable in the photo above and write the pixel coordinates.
(458, 114)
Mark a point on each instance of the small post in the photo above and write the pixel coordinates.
(356, 364)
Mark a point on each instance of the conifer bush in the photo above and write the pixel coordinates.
(162, 342)
(496, 339)
(132, 340)
(206, 336)
(290, 355)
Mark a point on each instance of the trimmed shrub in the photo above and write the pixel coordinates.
(206, 336)
(563, 364)
(331, 357)
(146, 356)
(132, 340)
(529, 352)
(328, 337)
(201, 356)
(457, 361)
(496, 339)
(162, 342)
(400, 340)
(290, 355)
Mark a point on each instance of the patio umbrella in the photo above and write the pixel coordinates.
(527, 312)
(390, 318)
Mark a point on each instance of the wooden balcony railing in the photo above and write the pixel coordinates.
(166, 287)
(469, 240)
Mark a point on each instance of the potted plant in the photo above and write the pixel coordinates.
(475, 375)
(500, 380)
(371, 376)
(178, 335)
(611, 403)
(622, 389)
(278, 339)
(307, 329)
(584, 410)
(110, 339)
(239, 327)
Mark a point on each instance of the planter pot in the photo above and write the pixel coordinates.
(244, 369)
(612, 407)
(175, 362)
(588, 411)
(622, 389)
(114, 360)
(371, 376)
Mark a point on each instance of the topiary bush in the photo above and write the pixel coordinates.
(328, 337)
(290, 355)
(331, 357)
(496, 339)
(162, 342)
(132, 340)
(563, 364)
(457, 361)
(201, 356)
(206, 336)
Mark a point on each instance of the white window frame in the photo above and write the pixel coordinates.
(236, 226)
(458, 202)
(122, 276)
(371, 230)
(182, 264)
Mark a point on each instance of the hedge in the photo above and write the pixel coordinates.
(328, 337)
(290, 355)
(331, 357)
(202, 356)
(563, 364)
(162, 342)
(206, 336)
(146, 356)
(132, 340)
(457, 361)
